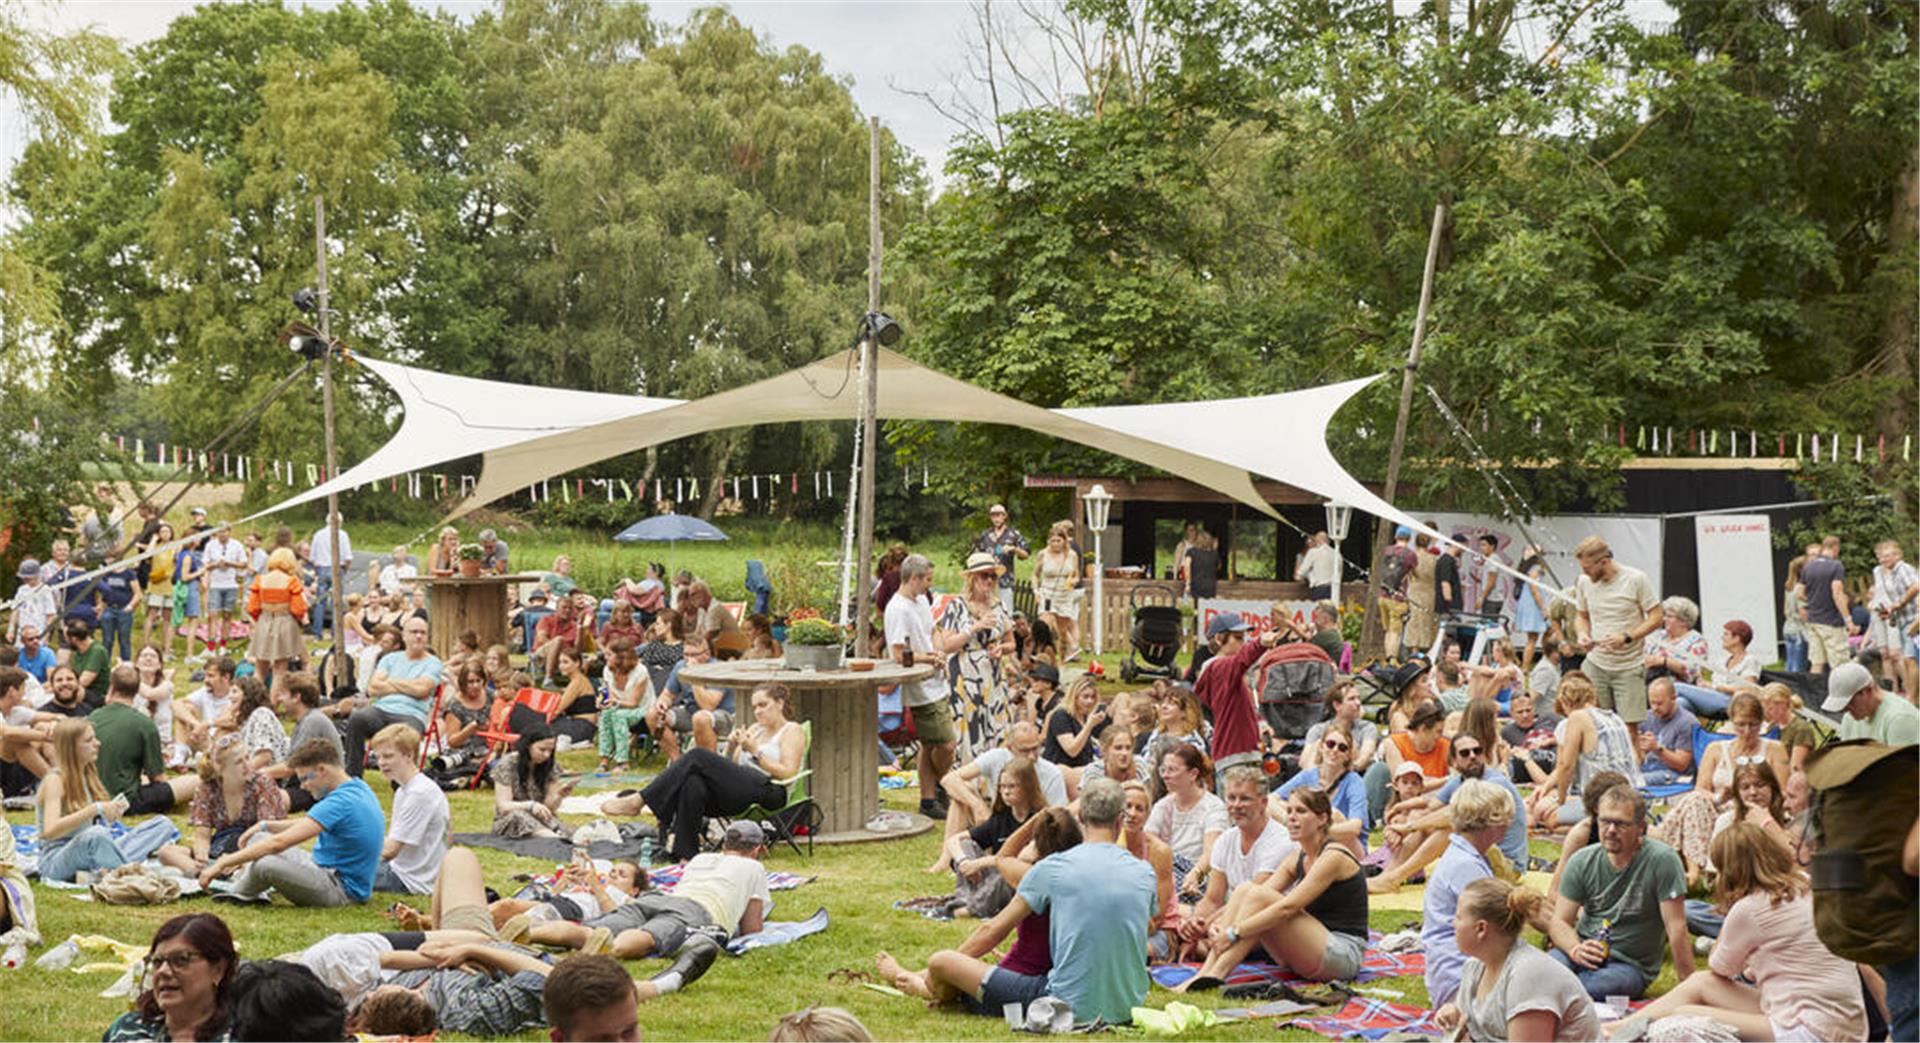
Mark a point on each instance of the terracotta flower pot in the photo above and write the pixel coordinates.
(469, 567)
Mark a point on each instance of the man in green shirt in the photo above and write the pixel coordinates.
(130, 761)
(90, 661)
(1619, 899)
(1868, 713)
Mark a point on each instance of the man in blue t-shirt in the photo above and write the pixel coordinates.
(1100, 902)
(347, 828)
(402, 687)
(35, 657)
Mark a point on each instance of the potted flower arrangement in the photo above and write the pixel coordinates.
(814, 643)
(470, 556)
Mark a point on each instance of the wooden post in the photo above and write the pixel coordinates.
(869, 399)
(1371, 636)
(336, 612)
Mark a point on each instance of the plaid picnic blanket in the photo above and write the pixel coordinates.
(1377, 965)
(1367, 1018)
(667, 877)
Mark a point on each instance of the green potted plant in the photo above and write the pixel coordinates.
(470, 556)
(814, 644)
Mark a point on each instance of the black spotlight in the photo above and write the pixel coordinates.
(308, 346)
(306, 300)
(883, 328)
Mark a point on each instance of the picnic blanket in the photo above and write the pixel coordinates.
(668, 877)
(779, 932)
(1377, 965)
(1367, 1018)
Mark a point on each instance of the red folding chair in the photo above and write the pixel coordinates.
(539, 700)
(432, 734)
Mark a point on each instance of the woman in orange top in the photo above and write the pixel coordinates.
(278, 606)
(1422, 744)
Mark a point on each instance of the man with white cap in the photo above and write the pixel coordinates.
(1867, 712)
(34, 607)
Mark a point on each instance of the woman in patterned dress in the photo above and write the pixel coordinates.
(978, 702)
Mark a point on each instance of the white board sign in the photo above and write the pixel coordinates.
(1735, 554)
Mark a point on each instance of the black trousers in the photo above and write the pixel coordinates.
(703, 783)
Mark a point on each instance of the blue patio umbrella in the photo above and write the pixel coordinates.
(669, 529)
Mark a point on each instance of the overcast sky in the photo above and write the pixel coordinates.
(887, 49)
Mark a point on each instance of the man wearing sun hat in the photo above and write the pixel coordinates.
(1005, 543)
(1867, 711)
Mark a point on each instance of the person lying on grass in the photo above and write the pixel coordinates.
(719, 895)
(435, 990)
(582, 892)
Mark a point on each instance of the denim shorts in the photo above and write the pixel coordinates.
(1343, 958)
(222, 599)
(1000, 987)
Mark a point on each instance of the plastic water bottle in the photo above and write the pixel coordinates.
(15, 956)
(646, 852)
(59, 957)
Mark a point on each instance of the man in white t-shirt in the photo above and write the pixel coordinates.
(1319, 567)
(320, 553)
(1247, 853)
(419, 829)
(226, 561)
(721, 895)
(1617, 610)
(909, 628)
(205, 707)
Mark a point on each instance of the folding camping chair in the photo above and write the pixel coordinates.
(497, 737)
(799, 816)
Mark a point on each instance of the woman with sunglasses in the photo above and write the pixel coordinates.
(1344, 705)
(189, 994)
(1346, 790)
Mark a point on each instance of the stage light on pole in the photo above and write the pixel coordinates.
(885, 331)
(1099, 502)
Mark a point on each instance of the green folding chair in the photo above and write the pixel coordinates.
(799, 816)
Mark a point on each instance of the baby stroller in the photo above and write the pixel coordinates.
(899, 744)
(1154, 634)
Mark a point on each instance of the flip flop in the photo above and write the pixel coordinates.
(1204, 983)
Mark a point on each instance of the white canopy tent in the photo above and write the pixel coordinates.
(527, 434)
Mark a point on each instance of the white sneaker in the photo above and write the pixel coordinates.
(562, 744)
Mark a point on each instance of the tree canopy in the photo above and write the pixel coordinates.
(1705, 223)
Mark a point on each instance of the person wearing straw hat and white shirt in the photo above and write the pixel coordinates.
(1867, 711)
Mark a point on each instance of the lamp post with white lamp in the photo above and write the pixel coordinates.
(1099, 502)
(1339, 517)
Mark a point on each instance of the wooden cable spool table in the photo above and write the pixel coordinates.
(844, 708)
(457, 604)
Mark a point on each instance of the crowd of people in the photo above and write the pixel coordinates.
(1102, 831)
